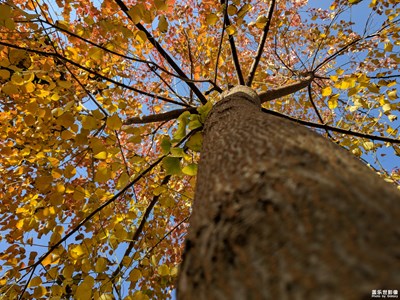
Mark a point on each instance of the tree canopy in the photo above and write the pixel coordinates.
(102, 106)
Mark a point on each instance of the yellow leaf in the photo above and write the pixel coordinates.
(19, 57)
(138, 295)
(76, 251)
(68, 271)
(190, 169)
(161, 5)
(83, 292)
(368, 145)
(388, 47)
(39, 292)
(392, 95)
(4, 74)
(136, 13)
(231, 30)
(88, 122)
(135, 275)
(123, 180)
(67, 135)
(103, 174)
(69, 171)
(95, 53)
(114, 122)
(10, 89)
(120, 232)
(141, 36)
(261, 21)
(29, 87)
(163, 270)
(211, 19)
(101, 265)
(373, 88)
(243, 10)
(333, 101)
(327, 91)
(232, 9)
(163, 24)
(17, 79)
(5, 11)
(101, 155)
(35, 281)
(386, 107)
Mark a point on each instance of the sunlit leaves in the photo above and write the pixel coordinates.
(65, 149)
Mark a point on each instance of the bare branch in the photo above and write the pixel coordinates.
(273, 94)
(332, 128)
(261, 45)
(164, 54)
(167, 116)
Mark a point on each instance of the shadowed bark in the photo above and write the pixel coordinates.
(283, 213)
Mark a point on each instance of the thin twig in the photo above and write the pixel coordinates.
(316, 110)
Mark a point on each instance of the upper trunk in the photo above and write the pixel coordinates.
(282, 213)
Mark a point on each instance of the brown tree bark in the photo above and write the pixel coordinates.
(283, 213)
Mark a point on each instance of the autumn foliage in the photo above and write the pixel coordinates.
(102, 105)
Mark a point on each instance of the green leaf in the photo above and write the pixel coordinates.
(172, 165)
(177, 152)
(181, 130)
(194, 122)
(204, 110)
(165, 144)
(190, 169)
(195, 142)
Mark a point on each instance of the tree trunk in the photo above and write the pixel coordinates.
(282, 213)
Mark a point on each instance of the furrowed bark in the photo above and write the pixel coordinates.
(282, 213)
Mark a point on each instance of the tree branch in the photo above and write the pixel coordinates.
(261, 45)
(173, 114)
(332, 128)
(273, 94)
(231, 40)
(164, 54)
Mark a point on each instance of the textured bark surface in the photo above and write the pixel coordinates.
(282, 213)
